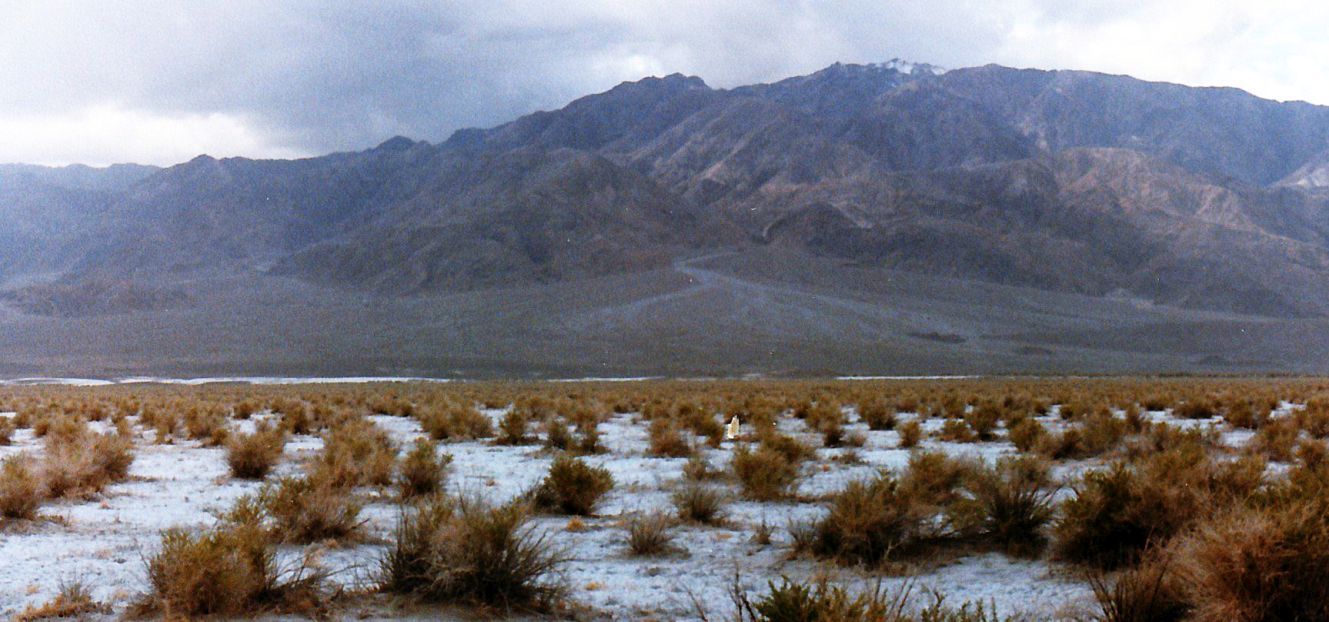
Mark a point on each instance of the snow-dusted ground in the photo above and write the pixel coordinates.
(104, 541)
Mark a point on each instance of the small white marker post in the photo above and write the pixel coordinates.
(731, 430)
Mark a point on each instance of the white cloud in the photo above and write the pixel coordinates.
(105, 134)
(278, 76)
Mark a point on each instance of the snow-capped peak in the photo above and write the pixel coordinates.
(909, 68)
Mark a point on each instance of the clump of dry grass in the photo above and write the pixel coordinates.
(572, 487)
(1148, 592)
(791, 448)
(422, 471)
(887, 518)
(1007, 504)
(869, 522)
(206, 424)
(956, 431)
(1261, 565)
(983, 420)
(765, 474)
(252, 456)
(1117, 513)
(910, 434)
(822, 601)
(698, 469)
(557, 435)
(878, 414)
(513, 428)
(306, 510)
(355, 453)
(1026, 434)
(230, 570)
(6, 430)
(465, 551)
(1276, 439)
(21, 488)
(455, 422)
(84, 462)
(650, 534)
(696, 503)
(74, 600)
(667, 439)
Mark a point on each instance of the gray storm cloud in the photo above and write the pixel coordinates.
(160, 81)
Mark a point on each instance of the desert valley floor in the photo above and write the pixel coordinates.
(666, 447)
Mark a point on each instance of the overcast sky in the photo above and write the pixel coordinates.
(158, 81)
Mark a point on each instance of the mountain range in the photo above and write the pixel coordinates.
(863, 219)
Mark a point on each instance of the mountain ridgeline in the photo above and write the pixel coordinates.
(1202, 200)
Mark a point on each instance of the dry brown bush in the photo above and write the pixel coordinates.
(765, 474)
(21, 489)
(910, 434)
(465, 551)
(252, 456)
(423, 471)
(572, 487)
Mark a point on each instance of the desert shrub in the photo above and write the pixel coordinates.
(878, 414)
(869, 522)
(1261, 565)
(422, 471)
(1243, 414)
(355, 453)
(588, 437)
(85, 463)
(1196, 409)
(650, 534)
(252, 456)
(956, 431)
(6, 430)
(700, 504)
(819, 602)
(557, 435)
(1104, 524)
(910, 434)
(455, 422)
(1315, 421)
(1145, 593)
(821, 414)
(572, 487)
(1068, 444)
(512, 428)
(230, 570)
(793, 451)
(1276, 439)
(698, 468)
(832, 434)
(73, 601)
(1101, 433)
(244, 409)
(1008, 504)
(983, 420)
(21, 490)
(933, 478)
(296, 417)
(1117, 513)
(207, 425)
(765, 474)
(465, 551)
(667, 439)
(1026, 434)
(165, 427)
(306, 510)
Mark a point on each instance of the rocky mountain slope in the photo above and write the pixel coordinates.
(1106, 187)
